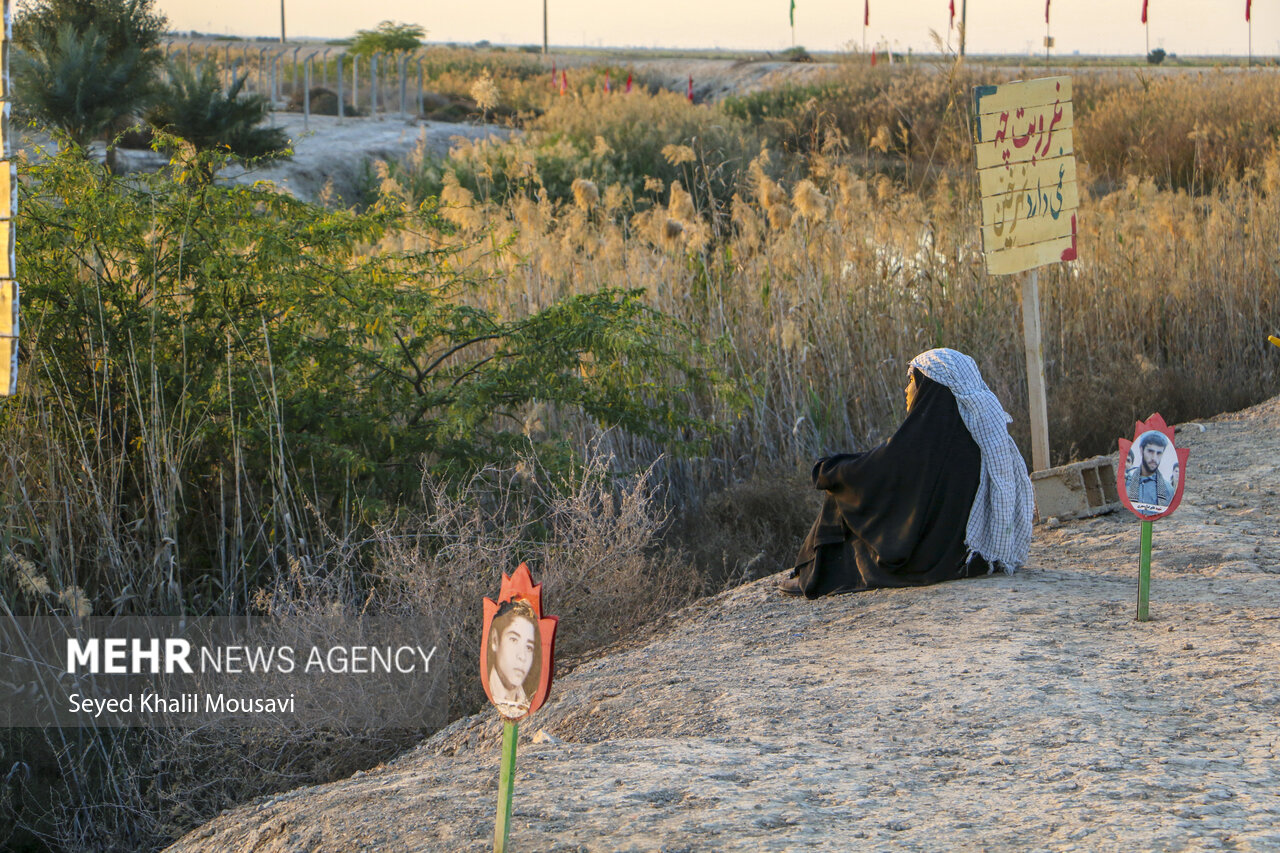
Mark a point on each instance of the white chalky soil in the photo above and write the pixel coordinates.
(1005, 713)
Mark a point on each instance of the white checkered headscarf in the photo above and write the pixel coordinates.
(999, 526)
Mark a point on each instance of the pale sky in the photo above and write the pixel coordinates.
(1187, 27)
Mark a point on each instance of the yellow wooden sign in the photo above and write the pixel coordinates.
(1002, 180)
(6, 249)
(1026, 173)
(1040, 132)
(1027, 93)
(8, 366)
(7, 184)
(8, 337)
(8, 209)
(8, 309)
(1006, 211)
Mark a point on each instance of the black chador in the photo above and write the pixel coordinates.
(896, 515)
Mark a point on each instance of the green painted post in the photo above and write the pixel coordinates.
(506, 784)
(1144, 572)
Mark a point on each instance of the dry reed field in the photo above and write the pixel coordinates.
(781, 254)
(816, 251)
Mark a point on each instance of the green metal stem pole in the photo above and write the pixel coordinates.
(1144, 572)
(506, 784)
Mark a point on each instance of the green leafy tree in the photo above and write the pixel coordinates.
(194, 106)
(288, 342)
(86, 66)
(388, 37)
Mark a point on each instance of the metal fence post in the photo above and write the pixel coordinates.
(306, 92)
(342, 109)
(421, 105)
(404, 106)
(355, 82)
(373, 85)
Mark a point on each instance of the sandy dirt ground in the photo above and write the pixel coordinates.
(325, 150)
(1024, 712)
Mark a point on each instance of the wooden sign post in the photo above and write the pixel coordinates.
(1027, 177)
(516, 662)
(1150, 480)
(8, 211)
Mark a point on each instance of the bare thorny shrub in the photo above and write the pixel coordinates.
(591, 539)
(592, 542)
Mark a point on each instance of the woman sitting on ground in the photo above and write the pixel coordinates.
(946, 497)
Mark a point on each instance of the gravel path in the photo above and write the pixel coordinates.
(1004, 713)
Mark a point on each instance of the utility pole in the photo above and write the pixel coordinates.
(282, 21)
(544, 27)
(1048, 39)
(964, 19)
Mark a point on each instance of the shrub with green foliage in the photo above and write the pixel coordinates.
(86, 66)
(194, 106)
(285, 331)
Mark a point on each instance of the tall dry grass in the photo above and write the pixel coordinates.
(822, 277)
(1194, 130)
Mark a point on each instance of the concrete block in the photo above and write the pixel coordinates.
(1079, 490)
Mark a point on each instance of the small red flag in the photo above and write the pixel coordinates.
(1144, 11)
(628, 84)
(1248, 9)
(873, 57)
(564, 82)
(691, 88)
(952, 4)
(866, 13)
(1046, 10)
(607, 87)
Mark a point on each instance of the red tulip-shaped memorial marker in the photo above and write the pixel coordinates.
(516, 658)
(1150, 478)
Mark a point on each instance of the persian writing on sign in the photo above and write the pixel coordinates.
(1026, 173)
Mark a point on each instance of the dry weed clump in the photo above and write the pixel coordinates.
(1192, 131)
(592, 542)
